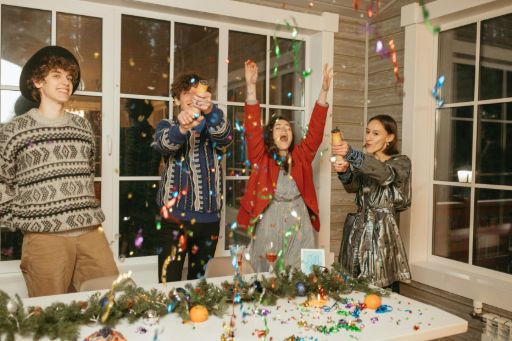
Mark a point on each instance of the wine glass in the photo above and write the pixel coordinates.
(271, 256)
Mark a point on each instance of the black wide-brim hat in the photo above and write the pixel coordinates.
(40, 58)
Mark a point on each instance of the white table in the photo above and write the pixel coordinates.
(409, 320)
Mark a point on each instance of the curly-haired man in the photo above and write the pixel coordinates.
(47, 181)
(190, 191)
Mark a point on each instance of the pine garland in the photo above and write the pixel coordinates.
(63, 321)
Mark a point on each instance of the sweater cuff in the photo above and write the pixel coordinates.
(214, 118)
(355, 157)
(175, 136)
(346, 177)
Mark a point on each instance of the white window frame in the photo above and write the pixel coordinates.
(316, 30)
(420, 60)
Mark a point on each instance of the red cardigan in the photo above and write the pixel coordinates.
(265, 171)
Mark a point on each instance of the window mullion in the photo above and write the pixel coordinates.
(476, 124)
(171, 67)
(222, 97)
(267, 81)
(115, 121)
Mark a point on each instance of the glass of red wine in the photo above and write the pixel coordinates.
(271, 256)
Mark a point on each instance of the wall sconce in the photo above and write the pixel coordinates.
(465, 175)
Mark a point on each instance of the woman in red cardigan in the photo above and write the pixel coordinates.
(279, 207)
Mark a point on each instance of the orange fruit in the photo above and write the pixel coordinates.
(198, 313)
(372, 301)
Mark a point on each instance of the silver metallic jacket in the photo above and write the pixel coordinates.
(371, 244)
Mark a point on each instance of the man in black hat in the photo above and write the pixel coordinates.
(47, 181)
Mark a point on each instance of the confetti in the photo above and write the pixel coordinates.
(306, 73)
(394, 60)
(436, 91)
(379, 48)
(426, 20)
(139, 239)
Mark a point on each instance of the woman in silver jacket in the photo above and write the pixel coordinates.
(381, 178)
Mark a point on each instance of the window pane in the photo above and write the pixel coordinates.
(10, 244)
(237, 163)
(491, 82)
(493, 234)
(509, 87)
(495, 56)
(24, 31)
(13, 104)
(287, 87)
(494, 145)
(83, 36)
(295, 118)
(456, 61)
(244, 46)
(139, 219)
(145, 56)
(97, 189)
(235, 190)
(196, 50)
(451, 222)
(454, 133)
(139, 119)
(89, 108)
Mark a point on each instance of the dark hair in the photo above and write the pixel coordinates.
(390, 126)
(183, 83)
(270, 146)
(51, 63)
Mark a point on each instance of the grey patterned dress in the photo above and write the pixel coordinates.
(371, 244)
(286, 213)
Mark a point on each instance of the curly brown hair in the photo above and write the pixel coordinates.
(183, 83)
(51, 63)
(270, 145)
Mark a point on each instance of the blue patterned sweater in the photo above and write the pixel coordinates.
(193, 171)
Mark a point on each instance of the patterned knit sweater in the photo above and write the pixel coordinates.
(193, 171)
(47, 174)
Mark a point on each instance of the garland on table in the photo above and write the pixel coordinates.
(63, 321)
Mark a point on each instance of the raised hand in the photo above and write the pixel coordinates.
(326, 84)
(326, 81)
(251, 72)
(187, 120)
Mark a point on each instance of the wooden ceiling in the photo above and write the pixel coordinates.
(342, 7)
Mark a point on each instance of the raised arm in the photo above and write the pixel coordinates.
(252, 116)
(310, 144)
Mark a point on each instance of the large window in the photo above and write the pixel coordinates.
(472, 191)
